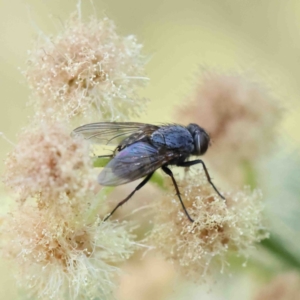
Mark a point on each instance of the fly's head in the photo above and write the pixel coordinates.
(200, 137)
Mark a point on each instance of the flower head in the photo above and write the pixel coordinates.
(87, 68)
(240, 116)
(220, 226)
(54, 168)
(55, 259)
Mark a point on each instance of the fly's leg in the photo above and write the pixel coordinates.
(169, 172)
(146, 179)
(199, 161)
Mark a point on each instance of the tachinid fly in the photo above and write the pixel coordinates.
(142, 148)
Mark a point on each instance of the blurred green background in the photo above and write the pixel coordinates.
(260, 37)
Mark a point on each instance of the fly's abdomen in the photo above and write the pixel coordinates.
(131, 163)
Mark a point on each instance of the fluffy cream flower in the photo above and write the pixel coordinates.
(52, 167)
(220, 226)
(57, 260)
(87, 68)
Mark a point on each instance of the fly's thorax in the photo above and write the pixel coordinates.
(200, 137)
(173, 137)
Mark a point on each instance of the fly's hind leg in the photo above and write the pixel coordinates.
(145, 180)
(199, 161)
(169, 172)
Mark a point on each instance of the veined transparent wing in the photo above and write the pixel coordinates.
(134, 162)
(115, 133)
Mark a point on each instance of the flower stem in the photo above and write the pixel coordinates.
(272, 245)
(276, 247)
(100, 162)
(249, 174)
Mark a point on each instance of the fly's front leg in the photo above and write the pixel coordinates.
(199, 161)
(145, 180)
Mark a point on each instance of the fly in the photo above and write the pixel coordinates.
(142, 148)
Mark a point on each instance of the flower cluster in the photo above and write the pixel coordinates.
(87, 68)
(55, 234)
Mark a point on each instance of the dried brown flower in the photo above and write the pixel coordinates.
(87, 68)
(219, 228)
(239, 114)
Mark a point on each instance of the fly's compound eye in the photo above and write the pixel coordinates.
(201, 140)
(197, 141)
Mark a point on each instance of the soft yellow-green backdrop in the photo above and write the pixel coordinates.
(259, 36)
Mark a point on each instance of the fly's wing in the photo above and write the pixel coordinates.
(133, 162)
(114, 133)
